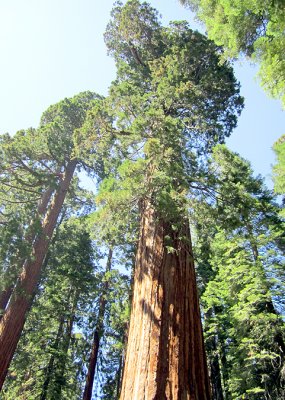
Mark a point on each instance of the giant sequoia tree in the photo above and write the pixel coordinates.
(50, 157)
(149, 143)
(171, 102)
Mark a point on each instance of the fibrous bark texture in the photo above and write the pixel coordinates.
(29, 238)
(165, 355)
(12, 323)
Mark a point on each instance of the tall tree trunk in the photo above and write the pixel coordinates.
(213, 357)
(119, 377)
(215, 371)
(12, 323)
(225, 369)
(50, 366)
(217, 390)
(29, 238)
(60, 379)
(99, 329)
(165, 355)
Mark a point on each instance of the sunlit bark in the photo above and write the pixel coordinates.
(165, 355)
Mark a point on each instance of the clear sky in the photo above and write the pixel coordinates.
(51, 49)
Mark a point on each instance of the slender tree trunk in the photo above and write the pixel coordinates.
(60, 379)
(91, 367)
(225, 369)
(217, 390)
(215, 372)
(119, 377)
(213, 357)
(14, 318)
(125, 338)
(50, 366)
(97, 333)
(29, 238)
(165, 355)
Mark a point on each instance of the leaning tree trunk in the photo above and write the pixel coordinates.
(98, 332)
(28, 238)
(12, 323)
(165, 355)
(4, 298)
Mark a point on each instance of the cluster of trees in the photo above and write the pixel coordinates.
(105, 285)
(250, 28)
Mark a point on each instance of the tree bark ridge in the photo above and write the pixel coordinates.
(13, 320)
(165, 355)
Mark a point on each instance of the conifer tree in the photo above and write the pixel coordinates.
(54, 149)
(238, 247)
(167, 113)
(278, 168)
(46, 364)
(252, 28)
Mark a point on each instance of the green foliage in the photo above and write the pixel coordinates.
(244, 320)
(239, 251)
(172, 102)
(114, 340)
(134, 33)
(32, 166)
(26, 169)
(48, 349)
(251, 27)
(115, 220)
(61, 123)
(279, 167)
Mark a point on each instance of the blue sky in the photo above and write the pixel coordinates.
(51, 49)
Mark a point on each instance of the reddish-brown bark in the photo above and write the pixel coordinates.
(87, 395)
(13, 320)
(165, 354)
(29, 238)
(4, 299)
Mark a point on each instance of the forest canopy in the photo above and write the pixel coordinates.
(252, 28)
(168, 280)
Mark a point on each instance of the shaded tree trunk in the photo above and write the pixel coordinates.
(12, 323)
(60, 372)
(215, 371)
(99, 329)
(165, 356)
(217, 390)
(50, 366)
(214, 359)
(4, 299)
(119, 376)
(225, 369)
(92, 367)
